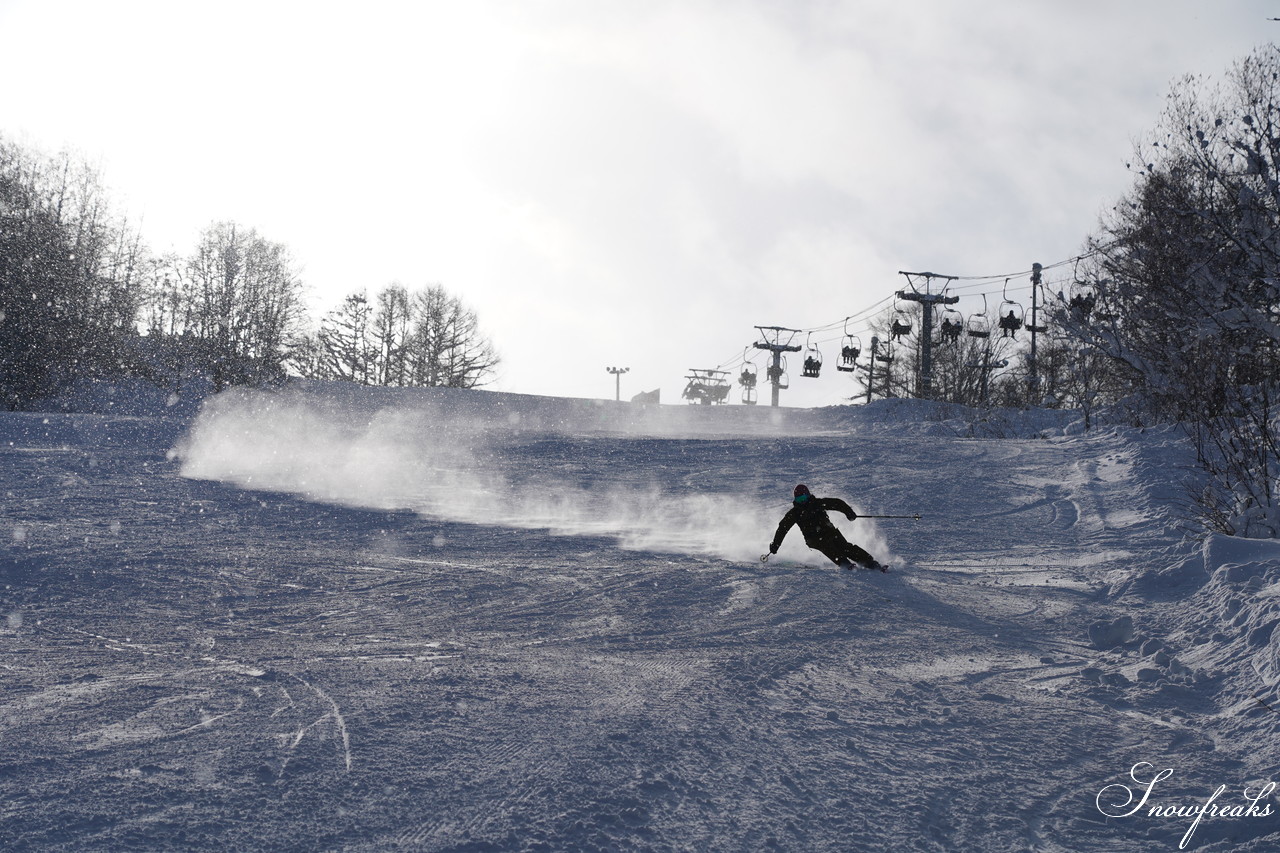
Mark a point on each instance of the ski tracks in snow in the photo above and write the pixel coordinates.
(255, 671)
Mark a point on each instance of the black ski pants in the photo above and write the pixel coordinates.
(834, 547)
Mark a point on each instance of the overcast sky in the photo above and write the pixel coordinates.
(633, 184)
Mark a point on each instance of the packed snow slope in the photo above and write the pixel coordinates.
(333, 618)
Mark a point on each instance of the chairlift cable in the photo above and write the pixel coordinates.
(973, 282)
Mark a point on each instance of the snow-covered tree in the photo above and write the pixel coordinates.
(1183, 284)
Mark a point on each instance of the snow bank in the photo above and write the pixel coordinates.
(930, 418)
(1240, 559)
(1228, 633)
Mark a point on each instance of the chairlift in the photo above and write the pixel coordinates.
(706, 387)
(1010, 319)
(850, 349)
(778, 375)
(748, 379)
(1081, 297)
(1082, 301)
(1010, 315)
(1032, 326)
(979, 325)
(952, 325)
(812, 359)
(900, 326)
(885, 354)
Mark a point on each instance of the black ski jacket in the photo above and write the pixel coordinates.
(811, 516)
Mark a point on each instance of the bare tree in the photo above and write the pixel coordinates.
(345, 348)
(446, 348)
(958, 363)
(247, 302)
(392, 328)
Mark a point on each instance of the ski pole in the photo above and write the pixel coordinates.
(916, 517)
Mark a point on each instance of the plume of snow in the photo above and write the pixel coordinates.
(422, 458)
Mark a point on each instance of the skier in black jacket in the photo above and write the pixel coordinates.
(810, 513)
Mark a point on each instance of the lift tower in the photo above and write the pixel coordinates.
(928, 300)
(776, 346)
(1034, 378)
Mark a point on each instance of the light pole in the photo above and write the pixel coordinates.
(617, 381)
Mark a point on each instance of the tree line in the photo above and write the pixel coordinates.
(82, 296)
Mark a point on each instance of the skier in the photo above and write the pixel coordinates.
(819, 533)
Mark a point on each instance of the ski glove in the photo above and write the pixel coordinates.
(851, 515)
(773, 549)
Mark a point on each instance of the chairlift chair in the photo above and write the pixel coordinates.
(979, 325)
(1033, 327)
(1083, 300)
(812, 360)
(850, 349)
(952, 325)
(1010, 318)
(748, 379)
(706, 387)
(900, 326)
(1010, 314)
(778, 375)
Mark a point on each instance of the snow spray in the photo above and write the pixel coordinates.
(430, 460)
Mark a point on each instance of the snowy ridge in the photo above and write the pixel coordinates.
(336, 618)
